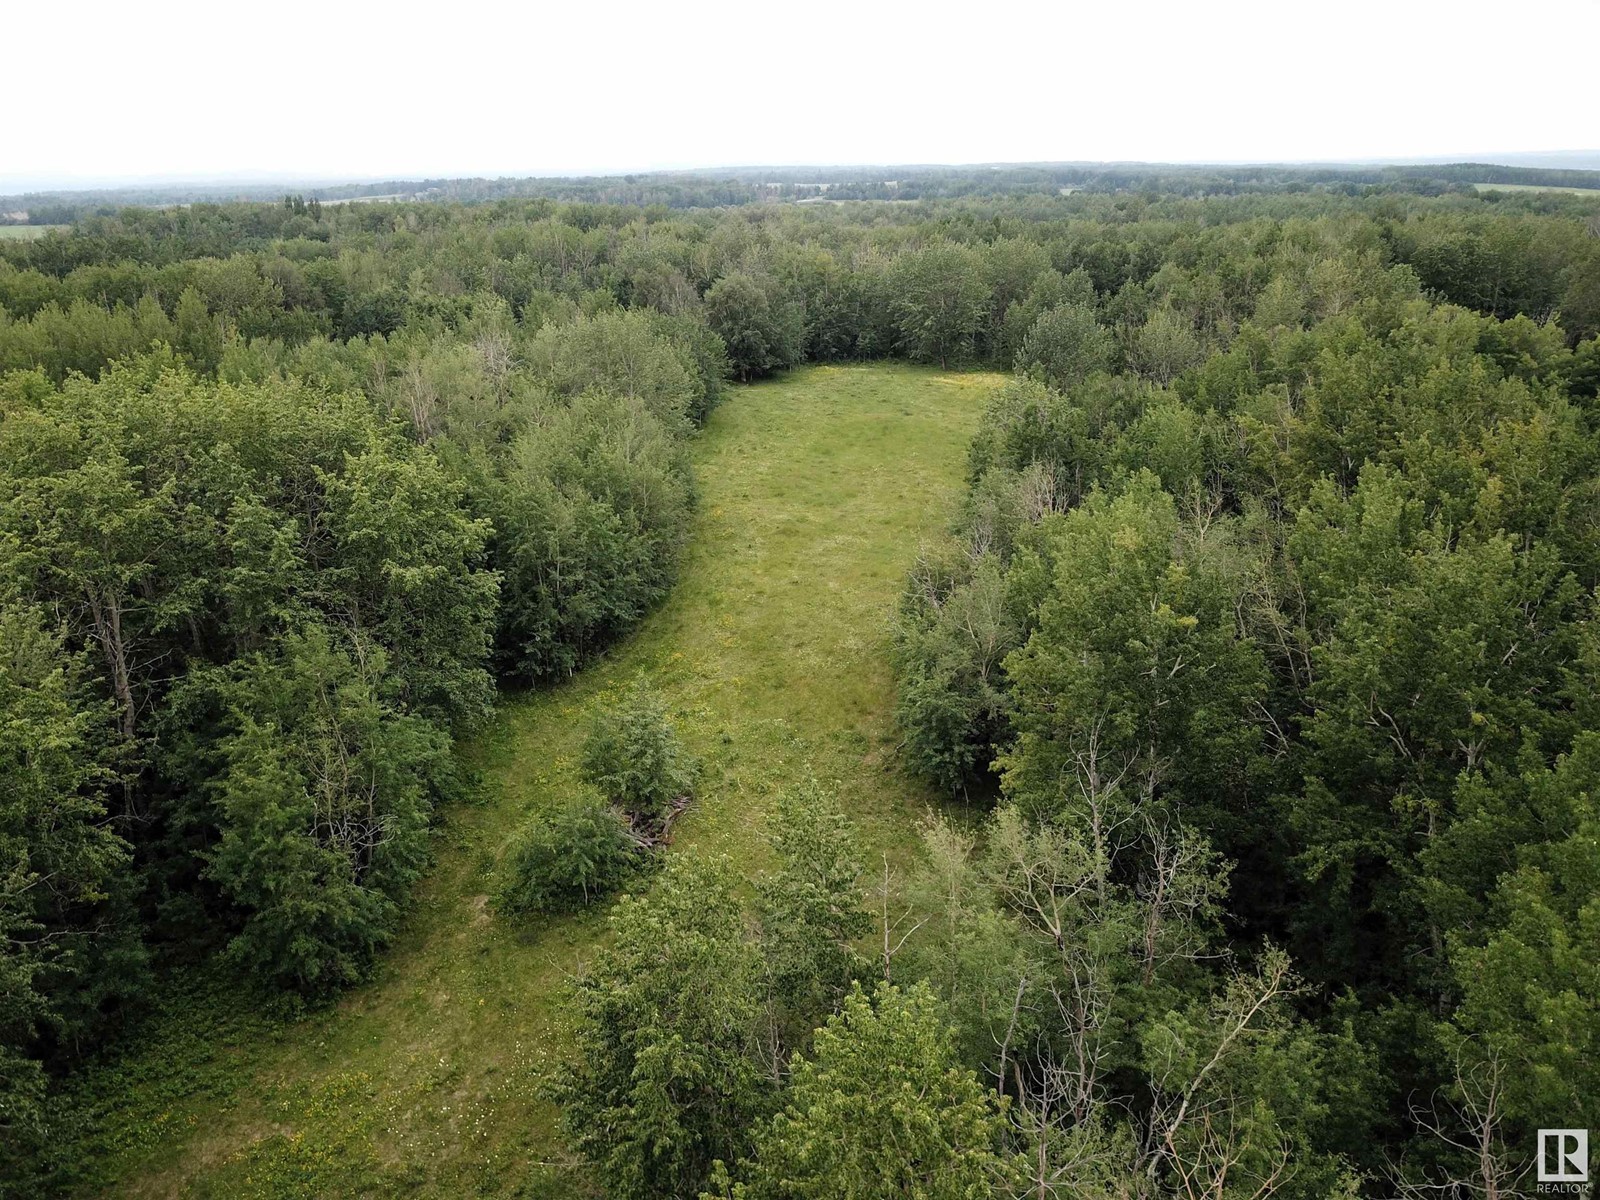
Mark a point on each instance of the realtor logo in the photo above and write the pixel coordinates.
(1563, 1156)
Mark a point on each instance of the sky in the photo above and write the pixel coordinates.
(115, 92)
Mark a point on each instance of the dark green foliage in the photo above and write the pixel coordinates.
(67, 943)
(684, 1024)
(1136, 669)
(1269, 614)
(664, 1074)
(566, 861)
(274, 608)
(763, 329)
(322, 797)
(1525, 950)
(811, 912)
(1315, 582)
(177, 519)
(940, 299)
(956, 629)
(703, 352)
(632, 755)
(591, 511)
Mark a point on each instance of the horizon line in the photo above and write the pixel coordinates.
(89, 183)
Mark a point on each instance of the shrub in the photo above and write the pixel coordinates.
(561, 863)
(634, 757)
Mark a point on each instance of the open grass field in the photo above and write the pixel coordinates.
(772, 654)
(24, 232)
(1534, 187)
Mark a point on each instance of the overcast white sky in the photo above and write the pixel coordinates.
(102, 91)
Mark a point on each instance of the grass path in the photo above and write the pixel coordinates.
(815, 492)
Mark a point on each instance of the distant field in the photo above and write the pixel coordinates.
(1534, 187)
(23, 232)
(391, 196)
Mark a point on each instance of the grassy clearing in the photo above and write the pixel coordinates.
(1534, 187)
(771, 652)
(25, 232)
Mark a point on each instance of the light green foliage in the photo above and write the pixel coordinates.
(881, 1109)
(1164, 347)
(764, 676)
(1236, 1091)
(1081, 973)
(81, 337)
(25, 232)
(969, 948)
(620, 354)
(812, 913)
(701, 350)
(1375, 507)
(634, 758)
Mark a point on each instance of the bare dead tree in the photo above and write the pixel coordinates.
(1217, 1166)
(1177, 886)
(1099, 777)
(496, 355)
(1469, 1122)
(889, 930)
(421, 399)
(1191, 1136)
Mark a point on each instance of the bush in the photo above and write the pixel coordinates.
(634, 757)
(561, 863)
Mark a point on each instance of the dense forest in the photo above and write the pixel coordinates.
(1258, 670)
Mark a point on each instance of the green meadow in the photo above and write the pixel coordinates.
(1535, 187)
(24, 232)
(815, 491)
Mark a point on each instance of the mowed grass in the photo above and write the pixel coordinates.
(24, 232)
(772, 653)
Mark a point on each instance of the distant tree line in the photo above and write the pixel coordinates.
(760, 185)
